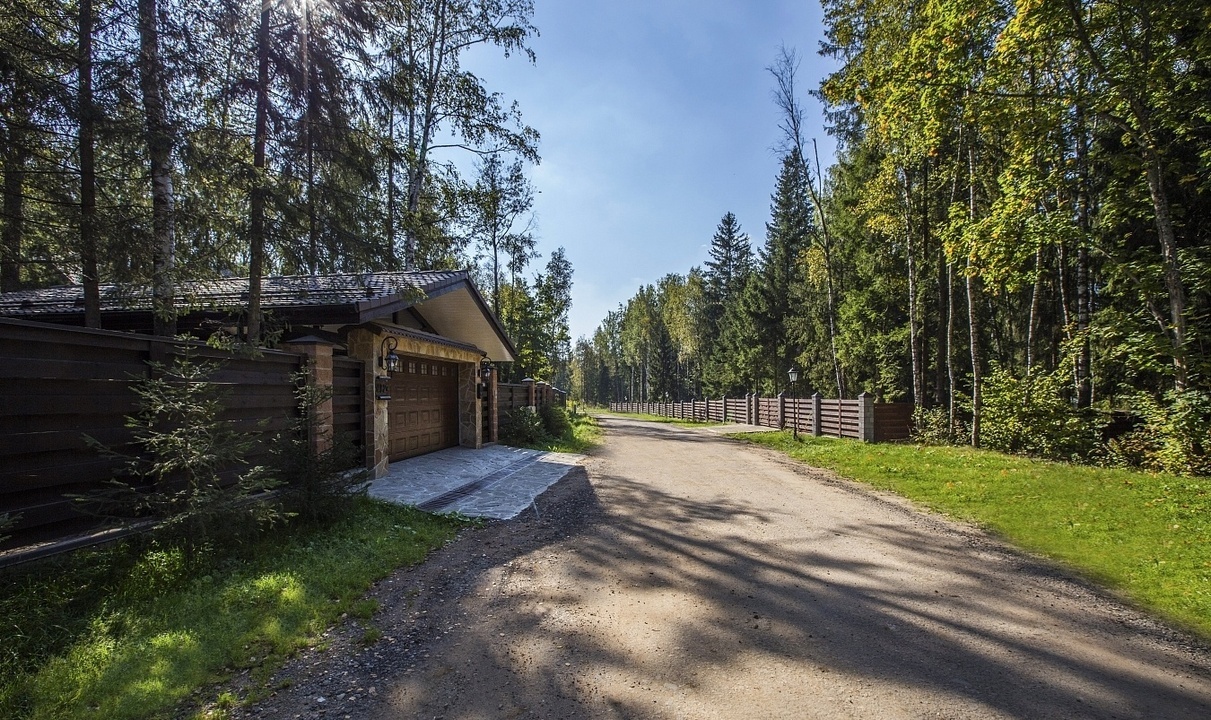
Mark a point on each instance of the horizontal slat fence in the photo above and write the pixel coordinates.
(861, 419)
(59, 384)
(347, 415)
(510, 396)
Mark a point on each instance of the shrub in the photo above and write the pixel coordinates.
(555, 421)
(188, 471)
(931, 426)
(1174, 435)
(523, 427)
(1033, 416)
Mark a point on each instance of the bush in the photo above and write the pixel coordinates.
(188, 471)
(931, 426)
(1033, 416)
(1174, 436)
(555, 421)
(523, 427)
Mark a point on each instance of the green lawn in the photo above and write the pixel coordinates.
(662, 419)
(1147, 536)
(119, 633)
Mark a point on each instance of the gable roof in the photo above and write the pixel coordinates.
(337, 299)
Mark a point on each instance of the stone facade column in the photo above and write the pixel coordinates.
(317, 356)
(470, 411)
(364, 345)
(817, 414)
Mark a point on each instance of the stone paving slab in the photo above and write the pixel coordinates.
(497, 482)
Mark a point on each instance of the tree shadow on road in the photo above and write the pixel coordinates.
(975, 635)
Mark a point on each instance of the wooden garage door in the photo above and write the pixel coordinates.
(423, 412)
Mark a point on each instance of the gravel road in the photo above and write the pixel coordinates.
(686, 575)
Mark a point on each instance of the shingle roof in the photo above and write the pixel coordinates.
(292, 291)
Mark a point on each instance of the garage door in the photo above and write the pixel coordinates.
(423, 412)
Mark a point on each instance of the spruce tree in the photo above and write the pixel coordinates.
(771, 307)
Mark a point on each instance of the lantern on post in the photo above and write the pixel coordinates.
(793, 376)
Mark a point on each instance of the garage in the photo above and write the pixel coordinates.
(423, 408)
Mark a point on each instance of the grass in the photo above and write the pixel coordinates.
(121, 632)
(575, 433)
(1147, 536)
(584, 434)
(662, 419)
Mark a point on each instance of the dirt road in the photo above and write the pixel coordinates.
(690, 576)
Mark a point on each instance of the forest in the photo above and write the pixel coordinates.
(149, 142)
(1015, 236)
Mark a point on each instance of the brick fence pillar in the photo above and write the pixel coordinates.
(781, 411)
(317, 354)
(816, 414)
(494, 407)
(364, 345)
(866, 417)
(531, 399)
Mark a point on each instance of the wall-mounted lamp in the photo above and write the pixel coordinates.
(485, 373)
(387, 359)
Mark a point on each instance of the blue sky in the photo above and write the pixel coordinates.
(656, 119)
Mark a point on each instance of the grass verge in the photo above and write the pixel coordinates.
(120, 632)
(1147, 536)
(662, 419)
(553, 429)
(584, 434)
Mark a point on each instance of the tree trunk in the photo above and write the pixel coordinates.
(914, 327)
(942, 337)
(88, 171)
(952, 411)
(1173, 279)
(973, 325)
(256, 254)
(392, 257)
(313, 235)
(420, 151)
(1033, 320)
(159, 152)
(1084, 305)
(16, 154)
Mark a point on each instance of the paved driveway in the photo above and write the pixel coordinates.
(496, 482)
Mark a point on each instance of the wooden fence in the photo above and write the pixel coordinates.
(861, 419)
(510, 396)
(347, 415)
(59, 384)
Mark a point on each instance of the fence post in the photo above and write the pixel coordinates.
(866, 417)
(494, 405)
(317, 354)
(816, 414)
(781, 411)
(531, 401)
(724, 401)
